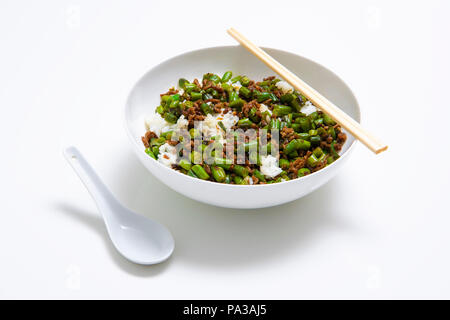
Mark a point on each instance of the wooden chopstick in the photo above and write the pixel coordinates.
(315, 97)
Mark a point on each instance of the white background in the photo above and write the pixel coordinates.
(380, 229)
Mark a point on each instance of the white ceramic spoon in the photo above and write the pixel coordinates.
(137, 238)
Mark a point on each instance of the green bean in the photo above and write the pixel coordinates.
(207, 96)
(160, 109)
(280, 110)
(182, 82)
(191, 173)
(167, 135)
(263, 96)
(186, 165)
(273, 97)
(303, 144)
(296, 127)
(332, 132)
(314, 115)
(187, 104)
(303, 171)
(304, 136)
(206, 108)
(328, 120)
(236, 103)
(218, 174)
(259, 175)
(190, 87)
(174, 104)
(227, 179)
(245, 81)
(286, 98)
(275, 123)
(222, 126)
(315, 140)
(244, 123)
(240, 170)
(318, 122)
(200, 172)
(321, 131)
(196, 96)
(318, 152)
(296, 115)
(293, 154)
(304, 123)
(157, 141)
(243, 91)
(223, 162)
(295, 104)
(232, 95)
(238, 179)
(235, 79)
(155, 150)
(227, 88)
(213, 92)
(333, 150)
(330, 159)
(291, 146)
(253, 116)
(284, 164)
(150, 153)
(215, 78)
(165, 99)
(312, 160)
(227, 76)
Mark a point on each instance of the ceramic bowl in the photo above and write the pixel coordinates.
(144, 98)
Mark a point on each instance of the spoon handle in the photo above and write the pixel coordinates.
(98, 190)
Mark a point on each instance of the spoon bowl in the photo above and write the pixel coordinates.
(139, 239)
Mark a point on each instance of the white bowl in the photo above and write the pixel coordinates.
(144, 98)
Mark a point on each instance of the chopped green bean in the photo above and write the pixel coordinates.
(240, 170)
(200, 172)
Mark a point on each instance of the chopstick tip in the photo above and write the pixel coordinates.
(384, 148)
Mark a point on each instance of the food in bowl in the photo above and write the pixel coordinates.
(239, 131)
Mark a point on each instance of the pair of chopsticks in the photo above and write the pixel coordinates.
(315, 97)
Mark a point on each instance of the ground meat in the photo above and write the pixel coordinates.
(341, 137)
(147, 137)
(319, 166)
(193, 114)
(278, 93)
(296, 165)
(172, 142)
(248, 106)
(217, 88)
(170, 92)
(288, 134)
(207, 84)
(269, 78)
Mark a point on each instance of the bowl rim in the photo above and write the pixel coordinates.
(297, 180)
